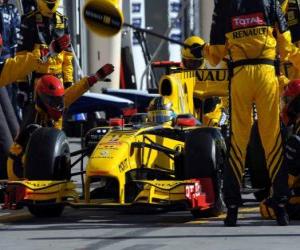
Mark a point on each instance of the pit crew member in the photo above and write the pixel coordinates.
(51, 99)
(38, 29)
(244, 30)
(291, 117)
(210, 110)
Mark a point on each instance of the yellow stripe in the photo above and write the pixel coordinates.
(197, 222)
(273, 152)
(238, 164)
(235, 173)
(272, 168)
(15, 217)
(275, 174)
(275, 161)
(236, 148)
(249, 210)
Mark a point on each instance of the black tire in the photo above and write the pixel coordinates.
(46, 211)
(256, 164)
(47, 156)
(204, 157)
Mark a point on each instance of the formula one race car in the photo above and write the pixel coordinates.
(174, 164)
(148, 165)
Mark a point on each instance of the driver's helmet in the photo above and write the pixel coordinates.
(290, 102)
(49, 92)
(189, 60)
(48, 7)
(160, 110)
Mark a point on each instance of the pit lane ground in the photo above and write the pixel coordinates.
(92, 229)
(97, 229)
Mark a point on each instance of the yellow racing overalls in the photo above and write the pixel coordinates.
(244, 30)
(19, 66)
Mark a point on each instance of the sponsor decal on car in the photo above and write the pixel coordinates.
(213, 75)
(114, 140)
(104, 154)
(123, 165)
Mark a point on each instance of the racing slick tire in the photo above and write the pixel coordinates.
(205, 157)
(256, 165)
(47, 156)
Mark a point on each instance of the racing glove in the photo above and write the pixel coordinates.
(56, 46)
(103, 72)
(60, 44)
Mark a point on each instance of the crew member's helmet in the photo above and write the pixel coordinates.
(50, 92)
(48, 7)
(160, 110)
(189, 59)
(290, 102)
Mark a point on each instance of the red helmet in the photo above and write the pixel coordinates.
(50, 96)
(291, 102)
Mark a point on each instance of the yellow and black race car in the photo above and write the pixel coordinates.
(157, 165)
(161, 163)
(149, 162)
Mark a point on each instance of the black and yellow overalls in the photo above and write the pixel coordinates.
(244, 30)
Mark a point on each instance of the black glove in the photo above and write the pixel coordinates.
(67, 84)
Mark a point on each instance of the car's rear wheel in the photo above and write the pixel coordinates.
(204, 158)
(47, 158)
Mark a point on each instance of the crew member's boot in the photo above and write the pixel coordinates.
(282, 216)
(231, 217)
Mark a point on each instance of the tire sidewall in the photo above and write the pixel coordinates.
(45, 153)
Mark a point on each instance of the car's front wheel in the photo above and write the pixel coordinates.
(47, 158)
